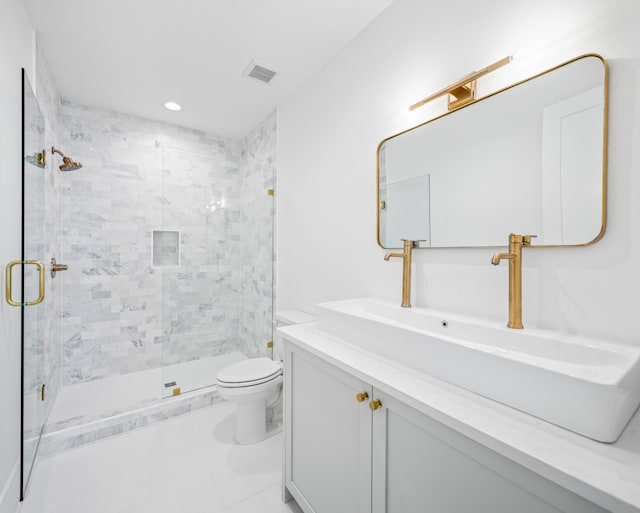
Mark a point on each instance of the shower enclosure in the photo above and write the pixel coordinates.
(168, 235)
(25, 288)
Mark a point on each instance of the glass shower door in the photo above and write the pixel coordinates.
(215, 249)
(31, 295)
(194, 247)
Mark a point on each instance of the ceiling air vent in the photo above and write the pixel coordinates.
(259, 72)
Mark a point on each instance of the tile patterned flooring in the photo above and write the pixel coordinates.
(187, 464)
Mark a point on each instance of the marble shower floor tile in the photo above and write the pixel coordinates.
(185, 464)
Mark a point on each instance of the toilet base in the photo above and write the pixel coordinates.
(250, 423)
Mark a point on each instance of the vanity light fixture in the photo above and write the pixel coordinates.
(173, 106)
(463, 90)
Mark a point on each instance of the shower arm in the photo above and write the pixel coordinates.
(68, 164)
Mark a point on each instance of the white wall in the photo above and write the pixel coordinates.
(17, 49)
(328, 134)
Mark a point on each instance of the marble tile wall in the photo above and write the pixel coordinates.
(122, 314)
(112, 295)
(50, 103)
(200, 302)
(49, 100)
(43, 218)
(258, 172)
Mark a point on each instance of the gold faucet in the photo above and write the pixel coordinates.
(406, 269)
(516, 242)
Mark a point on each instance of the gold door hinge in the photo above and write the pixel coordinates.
(176, 391)
(270, 344)
(42, 393)
(270, 192)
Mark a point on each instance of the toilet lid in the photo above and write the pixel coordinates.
(251, 370)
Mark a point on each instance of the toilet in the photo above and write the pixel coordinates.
(256, 384)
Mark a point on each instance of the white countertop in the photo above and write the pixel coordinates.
(605, 474)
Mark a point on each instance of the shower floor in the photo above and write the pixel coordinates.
(89, 411)
(90, 400)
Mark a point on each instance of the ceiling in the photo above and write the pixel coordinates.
(133, 56)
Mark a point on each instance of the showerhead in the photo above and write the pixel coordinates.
(68, 164)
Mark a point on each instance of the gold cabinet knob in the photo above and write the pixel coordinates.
(374, 405)
(362, 397)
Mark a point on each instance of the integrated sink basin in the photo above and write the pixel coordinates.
(588, 386)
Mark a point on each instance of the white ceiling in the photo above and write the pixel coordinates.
(134, 55)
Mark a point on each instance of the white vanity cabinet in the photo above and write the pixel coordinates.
(421, 465)
(328, 436)
(343, 457)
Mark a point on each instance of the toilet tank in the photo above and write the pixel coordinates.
(287, 318)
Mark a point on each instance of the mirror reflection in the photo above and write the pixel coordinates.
(528, 159)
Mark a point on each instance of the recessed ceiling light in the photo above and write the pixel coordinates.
(173, 106)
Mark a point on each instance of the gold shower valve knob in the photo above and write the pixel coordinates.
(362, 397)
(374, 405)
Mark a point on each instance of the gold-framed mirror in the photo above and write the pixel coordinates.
(530, 158)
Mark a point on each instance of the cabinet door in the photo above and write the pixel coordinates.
(419, 465)
(327, 436)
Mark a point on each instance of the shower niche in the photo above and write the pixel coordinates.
(166, 248)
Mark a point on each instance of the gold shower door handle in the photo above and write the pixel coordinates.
(9, 282)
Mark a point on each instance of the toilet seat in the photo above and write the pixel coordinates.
(255, 386)
(251, 372)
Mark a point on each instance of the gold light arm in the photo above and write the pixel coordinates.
(9, 282)
(462, 82)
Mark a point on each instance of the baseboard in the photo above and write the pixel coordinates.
(10, 492)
